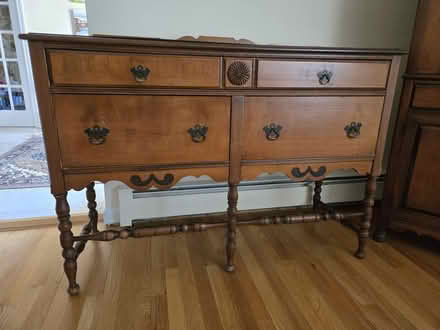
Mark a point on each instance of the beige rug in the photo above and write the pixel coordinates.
(25, 165)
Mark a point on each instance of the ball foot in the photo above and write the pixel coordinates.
(230, 268)
(359, 254)
(73, 291)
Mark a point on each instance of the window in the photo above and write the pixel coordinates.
(11, 88)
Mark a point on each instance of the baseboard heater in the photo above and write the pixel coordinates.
(202, 201)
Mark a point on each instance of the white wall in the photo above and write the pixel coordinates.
(48, 16)
(341, 23)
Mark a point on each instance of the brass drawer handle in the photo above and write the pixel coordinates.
(324, 77)
(198, 133)
(140, 73)
(96, 134)
(272, 131)
(353, 130)
(296, 172)
(166, 181)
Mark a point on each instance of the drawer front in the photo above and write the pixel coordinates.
(86, 68)
(310, 127)
(320, 74)
(427, 97)
(142, 130)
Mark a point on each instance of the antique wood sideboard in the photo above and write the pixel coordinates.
(148, 112)
(411, 200)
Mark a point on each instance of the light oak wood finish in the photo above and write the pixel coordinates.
(38, 222)
(311, 126)
(77, 181)
(143, 129)
(394, 77)
(304, 74)
(287, 278)
(84, 68)
(251, 172)
(149, 112)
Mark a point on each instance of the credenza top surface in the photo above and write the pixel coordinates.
(196, 44)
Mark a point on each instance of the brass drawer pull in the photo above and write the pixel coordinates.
(96, 134)
(140, 73)
(166, 181)
(296, 172)
(198, 133)
(272, 131)
(324, 77)
(353, 130)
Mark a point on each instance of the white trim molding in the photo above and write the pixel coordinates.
(17, 9)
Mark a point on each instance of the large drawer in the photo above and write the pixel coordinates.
(141, 130)
(310, 127)
(93, 68)
(322, 74)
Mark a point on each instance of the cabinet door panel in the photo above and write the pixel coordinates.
(425, 177)
(419, 172)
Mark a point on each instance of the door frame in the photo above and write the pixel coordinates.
(29, 117)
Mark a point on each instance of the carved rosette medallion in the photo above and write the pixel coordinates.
(238, 73)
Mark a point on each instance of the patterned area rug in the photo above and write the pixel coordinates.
(25, 165)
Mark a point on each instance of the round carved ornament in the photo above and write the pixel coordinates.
(238, 73)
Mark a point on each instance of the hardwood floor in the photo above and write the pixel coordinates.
(288, 277)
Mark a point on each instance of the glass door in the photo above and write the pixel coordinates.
(14, 105)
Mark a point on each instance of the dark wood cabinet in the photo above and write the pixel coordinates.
(148, 112)
(411, 198)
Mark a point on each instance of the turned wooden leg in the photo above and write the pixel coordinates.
(66, 239)
(317, 195)
(368, 215)
(232, 227)
(92, 225)
(93, 214)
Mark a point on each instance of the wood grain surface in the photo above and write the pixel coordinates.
(426, 97)
(143, 129)
(304, 74)
(311, 126)
(88, 68)
(287, 277)
(425, 176)
(425, 47)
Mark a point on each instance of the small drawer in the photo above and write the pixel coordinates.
(101, 130)
(277, 128)
(88, 68)
(321, 74)
(427, 97)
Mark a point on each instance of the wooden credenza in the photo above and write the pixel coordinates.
(411, 199)
(148, 112)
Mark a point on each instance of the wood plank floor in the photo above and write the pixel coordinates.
(288, 277)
